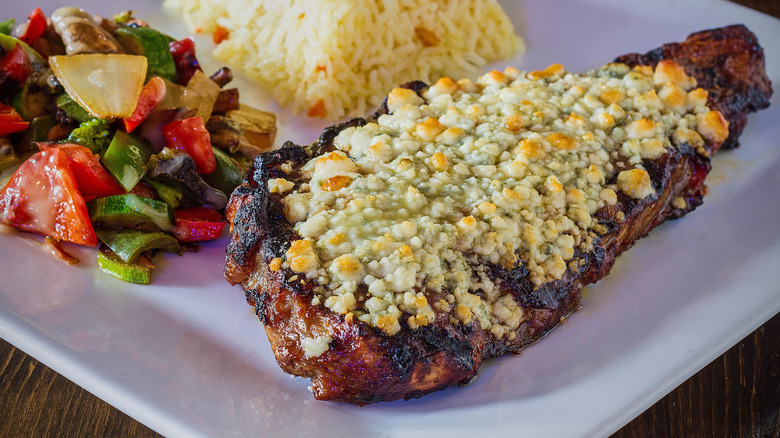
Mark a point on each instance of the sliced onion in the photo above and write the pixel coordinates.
(107, 86)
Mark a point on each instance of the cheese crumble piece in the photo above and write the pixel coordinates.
(279, 185)
(301, 257)
(635, 183)
(315, 347)
(508, 170)
(713, 126)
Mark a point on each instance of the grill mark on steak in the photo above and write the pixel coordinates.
(364, 365)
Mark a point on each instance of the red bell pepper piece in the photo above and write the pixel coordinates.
(10, 120)
(7, 111)
(16, 64)
(183, 52)
(197, 224)
(151, 95)
(190, 135)
(92, 179)
(42, 197)
(11, 127)
(36, 26)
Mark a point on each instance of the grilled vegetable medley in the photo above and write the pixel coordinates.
(111, 134)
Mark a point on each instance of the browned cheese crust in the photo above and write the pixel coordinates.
(364, 365)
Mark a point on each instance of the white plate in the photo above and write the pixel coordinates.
(187, 357)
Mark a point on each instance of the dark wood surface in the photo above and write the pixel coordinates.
(737, 395)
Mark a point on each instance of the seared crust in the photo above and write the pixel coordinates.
(363, 364)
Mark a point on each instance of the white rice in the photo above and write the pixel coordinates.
(339, 58)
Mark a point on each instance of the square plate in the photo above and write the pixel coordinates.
(187, 357)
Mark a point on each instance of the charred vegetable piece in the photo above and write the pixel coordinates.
(190, 135)
(81, 33)
(259, 128)
(105, 85)
(152, 95)
(110, 263)
(127, 159)
(225, 133)
(222, 77)
(131, 211)
(227, 100)
(95, 134)
(42, 196)
(198, 224)
(178, 169)
(129, 244)
(148, 42)
(207, 91)
(199, 96)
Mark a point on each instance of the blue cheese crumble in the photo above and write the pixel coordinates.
(507, 170)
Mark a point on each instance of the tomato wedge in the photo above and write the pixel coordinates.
(92, 179)
(42, 197)
(152, 94)
(10, 120)
(190, 136)
(16, 64)
(197, 224)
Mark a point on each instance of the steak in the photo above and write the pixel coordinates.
(497, 209)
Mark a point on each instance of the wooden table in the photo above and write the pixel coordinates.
(737, 395)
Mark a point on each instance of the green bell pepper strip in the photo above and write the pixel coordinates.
(110, 263)
(127, 159)
(40, 126)
(131, 211)
(153, 45)
(170, 195)
(72, 109)
(229, 173)
(129, 244)
(32, 101)
(7, 160)
(7, 26)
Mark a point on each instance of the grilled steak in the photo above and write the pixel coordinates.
(462, 220)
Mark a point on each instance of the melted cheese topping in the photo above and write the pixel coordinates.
(509, 170)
